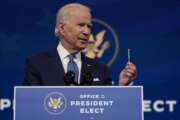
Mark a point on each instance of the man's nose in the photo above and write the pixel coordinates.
(86, 30)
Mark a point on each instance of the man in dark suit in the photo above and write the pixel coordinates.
(73, 28)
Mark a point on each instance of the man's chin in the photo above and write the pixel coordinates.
(82, 48)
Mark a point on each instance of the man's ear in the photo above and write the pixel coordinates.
(59, 29)
(56, 32)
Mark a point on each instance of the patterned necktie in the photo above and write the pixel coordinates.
(72, 66)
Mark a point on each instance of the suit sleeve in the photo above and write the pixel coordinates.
(32, 76)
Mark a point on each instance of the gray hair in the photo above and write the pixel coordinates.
(63, 13)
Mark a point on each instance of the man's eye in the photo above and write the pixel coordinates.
(89, 26)
(81, 24)
(85, 25)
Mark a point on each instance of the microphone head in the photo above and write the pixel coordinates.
(69, 78)
(87, 78)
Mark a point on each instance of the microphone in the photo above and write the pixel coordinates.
(87, 78)
(69, 78)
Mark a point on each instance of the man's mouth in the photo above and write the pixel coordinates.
(84, 41)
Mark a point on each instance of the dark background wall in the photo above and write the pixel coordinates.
(151, 28)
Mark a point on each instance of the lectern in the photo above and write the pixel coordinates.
(78, 103)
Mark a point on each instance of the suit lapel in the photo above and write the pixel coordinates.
(86, 66)
(58, 67)
(89, 66)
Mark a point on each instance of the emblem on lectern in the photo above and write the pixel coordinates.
(55, 103)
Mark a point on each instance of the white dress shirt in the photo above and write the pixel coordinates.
(63, 54)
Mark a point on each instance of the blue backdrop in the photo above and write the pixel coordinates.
(151, 28)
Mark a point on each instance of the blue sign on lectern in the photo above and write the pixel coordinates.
(78, 103)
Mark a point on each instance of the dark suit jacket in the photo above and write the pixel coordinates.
(45, 69)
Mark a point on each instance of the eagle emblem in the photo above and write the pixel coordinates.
(96, 46)
(55, 103)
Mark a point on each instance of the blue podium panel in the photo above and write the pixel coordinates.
(78, 103)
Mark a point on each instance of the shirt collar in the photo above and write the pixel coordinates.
(63, 53)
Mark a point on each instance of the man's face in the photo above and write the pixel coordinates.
(76, 31)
